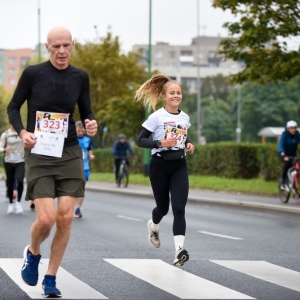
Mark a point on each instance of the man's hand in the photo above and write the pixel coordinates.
(190, 148)
(286, 158)
(28, 139)
(92, 156)
(91, 127)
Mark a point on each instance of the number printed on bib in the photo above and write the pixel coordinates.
(50, 122)
(179, 132)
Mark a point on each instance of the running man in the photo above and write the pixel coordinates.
(86, 145)
(53, 87)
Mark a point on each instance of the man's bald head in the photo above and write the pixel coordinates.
(59, 45)
(58, 33)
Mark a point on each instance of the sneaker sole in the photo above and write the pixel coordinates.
(149, 235)
(184, 258)
(52, 296)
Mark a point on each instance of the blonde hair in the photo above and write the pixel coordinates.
(152, 89)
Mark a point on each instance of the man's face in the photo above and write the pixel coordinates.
(122, 140)
(292, 130)
(80, 131)
(60, 47)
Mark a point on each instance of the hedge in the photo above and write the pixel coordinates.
(229, 160)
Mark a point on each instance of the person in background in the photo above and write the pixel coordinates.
(14, 166)
(86, 145)
(168, 172)
(119, 151)
(287, 148)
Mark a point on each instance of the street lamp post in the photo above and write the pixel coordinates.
(39, 33)
(239, 109)
(147, 151)
(198, 86)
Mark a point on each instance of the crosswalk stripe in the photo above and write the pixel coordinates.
(174, 280)
(266, 271)
(70, 286)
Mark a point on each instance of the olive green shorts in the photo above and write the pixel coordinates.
(51, 177)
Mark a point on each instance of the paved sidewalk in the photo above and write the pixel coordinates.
(205, 197)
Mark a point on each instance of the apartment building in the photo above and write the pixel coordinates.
(181, 62)
(12, 63)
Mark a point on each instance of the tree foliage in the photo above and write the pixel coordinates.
(114, 77)
(5, 96)
(260, 39)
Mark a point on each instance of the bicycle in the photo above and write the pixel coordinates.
(291, 184)
(123, 176)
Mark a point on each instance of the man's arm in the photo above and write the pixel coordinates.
(21, 94)
(130, 149)
(281, 144)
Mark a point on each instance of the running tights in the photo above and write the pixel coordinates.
(14, 171)
(169, 178)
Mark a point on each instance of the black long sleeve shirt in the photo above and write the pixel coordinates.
(49, 89)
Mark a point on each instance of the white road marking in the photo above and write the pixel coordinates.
(266, 271)
(70, 286)
(129, 218)
(221, 235)
(174, 280)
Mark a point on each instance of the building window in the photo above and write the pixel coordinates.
(24, 61)
(12, 81)
(12, 60)
(211, 54)
(157, 64)
(157, 54)
(12, 71)
(171, 54)
(186, 53)
(200, 55)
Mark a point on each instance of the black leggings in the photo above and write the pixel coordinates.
(286, 165)
(14, 172)
(169, 177)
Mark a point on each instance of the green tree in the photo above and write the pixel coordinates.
(218, 124)
(268, 105)
(260, 39)
(114, 76)
(217, 87)
(5, 96)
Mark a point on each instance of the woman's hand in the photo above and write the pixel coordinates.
(190, 148)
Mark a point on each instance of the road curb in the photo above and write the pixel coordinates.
(204, 200)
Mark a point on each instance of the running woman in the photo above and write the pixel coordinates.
(168, 169)
(86, 145)
(14, 166)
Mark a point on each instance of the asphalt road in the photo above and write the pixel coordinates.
(234, 254)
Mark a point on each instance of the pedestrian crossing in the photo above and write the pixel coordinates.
(160, 275)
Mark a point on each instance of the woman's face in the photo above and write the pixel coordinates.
(172, 95)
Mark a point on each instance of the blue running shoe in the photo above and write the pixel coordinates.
(30, 271)
(49, 287)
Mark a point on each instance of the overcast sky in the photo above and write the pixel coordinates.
(173, 21)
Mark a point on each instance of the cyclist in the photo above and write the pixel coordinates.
(120, 148)
(287, 148)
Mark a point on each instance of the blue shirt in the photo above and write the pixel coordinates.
(120, 149)
(86, 145)
(289, 143)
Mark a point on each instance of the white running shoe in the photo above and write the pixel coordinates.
(10, 209)
(181, 256)
(153, 236)
(19, 208)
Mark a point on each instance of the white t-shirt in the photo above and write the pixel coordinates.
(164, 125)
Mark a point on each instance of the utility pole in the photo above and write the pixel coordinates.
(39, 33)
(198, 85)
(146, 157)
(239, 110)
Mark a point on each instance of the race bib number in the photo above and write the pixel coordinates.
(179, 134)
(49, 122)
